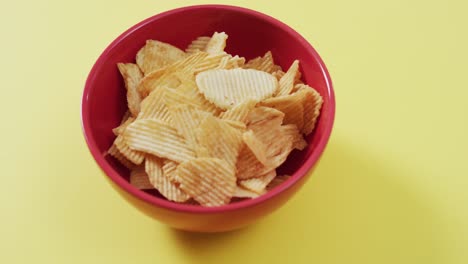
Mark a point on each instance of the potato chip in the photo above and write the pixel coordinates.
(125, 122)
(241, 192)
(132, 155)
(170, 170)
(286, 83)
(262, 115)
(217, 43)
(132, 77)
(154, 169)
(114, 152)
(218, 139)
(169, 76)
(211, 62)
(256, 146)
(240, 111)
(154, 107)
(312, 104)
(278, 74)
(198, 44)
(291, 105)
(258, 184)
(139, 178)
(228, 88)
(210, 181)
(264, 63)
(186, 120)
(237, 125)
(156, 55)
(158, 138)
(248, 166)
(189, 88)
(277, 181)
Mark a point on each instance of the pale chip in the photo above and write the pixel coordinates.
(154, 169)
(239, 112)
(256, 146)
(258, 184)
(158, 138)
(312, 104)
(156, 55)
(139, 178)
(241, 192)
(132, 77)
(286, 83)
(262, 115)
(132, 155)
(126, 120)
(198, 44)
(217, 43)
(228, 88)
(209, 181)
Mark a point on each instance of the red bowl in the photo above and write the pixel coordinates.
(250, 34)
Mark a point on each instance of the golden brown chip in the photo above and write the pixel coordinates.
(228, 88)
(295, 135)
(240, 111)
(264, 63)
(286, 83)
(241, 192)
(211, 62)
(156, 55)
(217, 43)
(237, 125)
(154, 169)
(277, 181)
(210, 181)
(139, 178)
(258, 184)
(158, 138)
(132, 77)
(218, 139)
(186, 120)
(312, 104)
(198, 44)
(248, 166)
(114, 152)
(170, 76)
(291, 105)
(154, 107)
(278, 74)
(189, 88)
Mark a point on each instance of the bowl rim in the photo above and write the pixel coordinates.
(173, 206)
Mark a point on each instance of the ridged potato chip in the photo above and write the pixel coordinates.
(132, 77)
(156, 55)
(241, 192)
(312, 104)
(240, 111)
(158, 138)
(256, 146)
(286, 83)
(264, 116)
(139, 178)
(132, 155)
(169, 76)
(198, 44)
(154, 169)
(114, 152)
(126, 120)
(228, 88)
(170, 170)
(210, 181)
(217, 43)
(154, 107)
(291, 105)
(248, 166)
(277, 181)
(217, 139)
(186, 120)
(264, 63)
(258, 184)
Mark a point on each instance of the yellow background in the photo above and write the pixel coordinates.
(392, 186)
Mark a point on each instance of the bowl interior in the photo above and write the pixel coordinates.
(250, 34)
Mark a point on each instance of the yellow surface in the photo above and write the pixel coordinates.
(392, 187)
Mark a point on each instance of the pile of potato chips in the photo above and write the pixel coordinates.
(204, 126)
